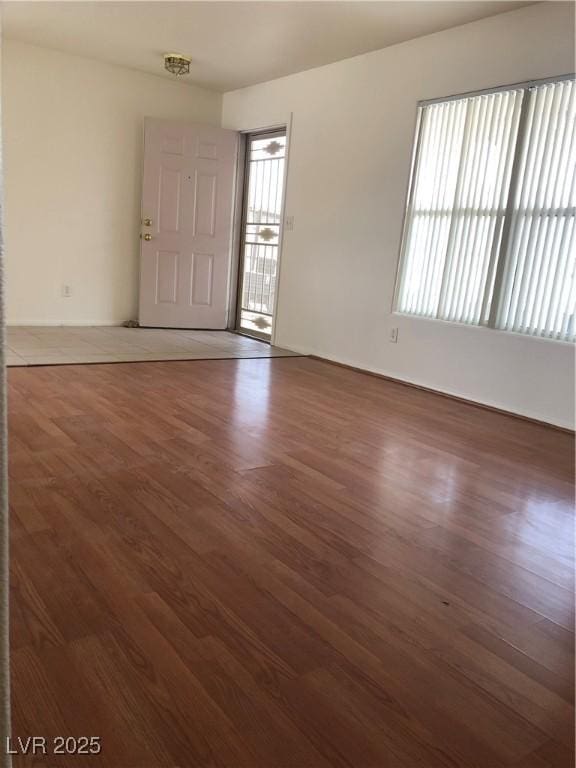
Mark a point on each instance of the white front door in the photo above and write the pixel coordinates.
(186, 234)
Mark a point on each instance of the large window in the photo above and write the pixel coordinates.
(489, 235)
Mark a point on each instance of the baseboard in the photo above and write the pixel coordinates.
(453, 396)
(61, 324)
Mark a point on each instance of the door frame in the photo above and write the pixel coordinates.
(239, 219)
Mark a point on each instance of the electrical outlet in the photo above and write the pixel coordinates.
(289, 223)
(66, 291)
(394, 335)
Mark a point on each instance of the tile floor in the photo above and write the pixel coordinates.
(64, 345)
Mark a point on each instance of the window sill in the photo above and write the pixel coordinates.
(481, 329)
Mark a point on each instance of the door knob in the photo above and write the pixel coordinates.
(146, 236)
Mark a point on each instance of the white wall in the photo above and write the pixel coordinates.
(72, 150)
(353, 125)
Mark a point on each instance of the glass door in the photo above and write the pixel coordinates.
(263, 186)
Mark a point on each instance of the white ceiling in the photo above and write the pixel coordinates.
(233, 44)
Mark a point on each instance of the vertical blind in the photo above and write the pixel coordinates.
(489, 228)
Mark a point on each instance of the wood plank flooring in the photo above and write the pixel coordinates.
(284, 564)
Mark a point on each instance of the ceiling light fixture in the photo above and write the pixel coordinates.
(177, 64)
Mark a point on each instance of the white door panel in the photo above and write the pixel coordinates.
(187, 195)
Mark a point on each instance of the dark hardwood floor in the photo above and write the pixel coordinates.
(286, 564)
